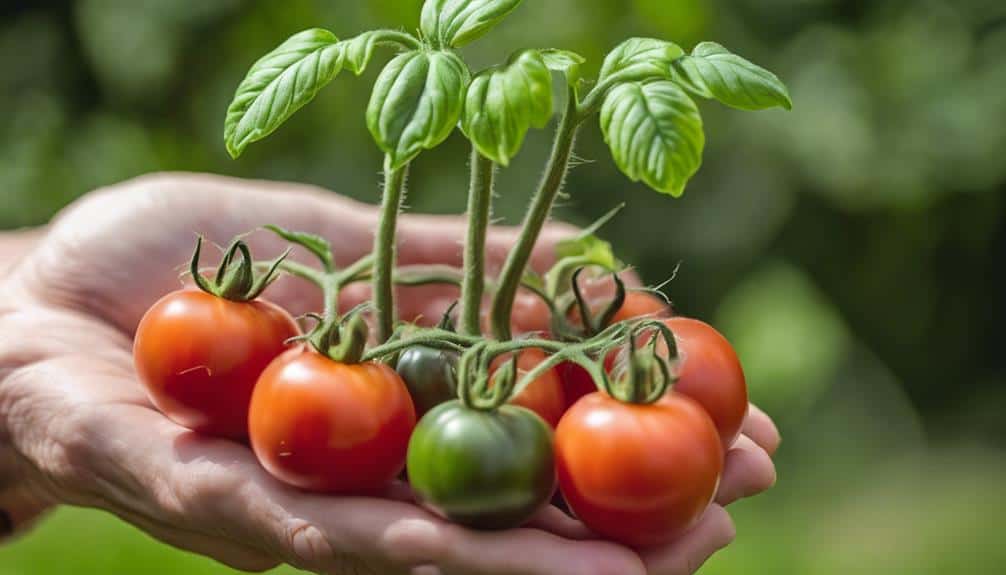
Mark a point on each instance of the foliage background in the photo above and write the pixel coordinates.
(852, 249)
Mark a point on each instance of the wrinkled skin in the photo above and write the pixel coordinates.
(70, 404)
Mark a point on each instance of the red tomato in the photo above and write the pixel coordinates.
(198, 356)
(544, 395)
(641, 304)
(640, 475)
(710, 373)
(576, 382)
(326, 426)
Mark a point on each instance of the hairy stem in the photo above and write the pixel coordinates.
(384, 248)
(535, 218)
(480, 192)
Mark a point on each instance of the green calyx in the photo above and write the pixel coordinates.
(235, 278)
(343, 340)
(646, 373)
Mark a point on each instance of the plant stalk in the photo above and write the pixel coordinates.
(535, 218)
(480, 191)
(384, 249)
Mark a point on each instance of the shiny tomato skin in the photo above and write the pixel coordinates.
(640, 475)
(576, 382)
(641, 304)
(429, 374)
(710, 373)
(198, 356)
(483, 469)
(544, 395)
(330, 427)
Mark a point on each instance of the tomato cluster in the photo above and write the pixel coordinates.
(321, 417)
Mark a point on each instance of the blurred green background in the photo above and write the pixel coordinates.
(852, 249)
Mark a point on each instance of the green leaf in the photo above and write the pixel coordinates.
(564, 61)
(587, 249)
(317, 245)
(503, 103)
(712, 71)
(359, 49)
(279, 84)
(655, 133)
(416, 102)
(639, 59)
(455, 23)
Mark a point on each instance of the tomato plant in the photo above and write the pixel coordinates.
(637, 464)
(198, 352)
(323, 425)
(638, 474)
(489, 469)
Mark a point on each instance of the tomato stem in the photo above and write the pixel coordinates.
(535, 218)
(384, 248)
(480, 191)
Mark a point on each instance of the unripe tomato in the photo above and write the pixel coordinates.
(326, 426)
(198, 356)
(484, 469)
(640, 475)
(543, 395)
(710, 373)
(429, 375)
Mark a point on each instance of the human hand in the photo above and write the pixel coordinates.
(77, 428)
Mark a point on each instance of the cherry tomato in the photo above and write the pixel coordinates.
(641, 304)
(544, 395)
(326, 426)
(429, 375)
(484, 469)
(710, 373)
(199, 355)
(640, 475)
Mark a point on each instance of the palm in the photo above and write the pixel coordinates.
(86, 286)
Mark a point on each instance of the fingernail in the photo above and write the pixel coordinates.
(311, 546)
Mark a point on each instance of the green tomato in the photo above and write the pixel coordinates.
(482, 469)
(429, 375)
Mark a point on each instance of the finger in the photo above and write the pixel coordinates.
(748, 471)
(552, 519)
(761, 429)
(229, 553)
(684, 556)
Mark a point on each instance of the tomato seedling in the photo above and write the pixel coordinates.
(638, 463)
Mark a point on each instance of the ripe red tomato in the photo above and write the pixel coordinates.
(199, 355)
(544, 395)
(641, 304)
(710, 373)
(640, 475)
(326, 426)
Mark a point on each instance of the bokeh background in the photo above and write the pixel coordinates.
(853, 249)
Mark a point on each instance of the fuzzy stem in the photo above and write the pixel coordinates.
(480, 192)
(384, 248)
(535, 218)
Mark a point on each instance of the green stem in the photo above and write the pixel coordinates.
(480, 192)
(384, 248)
(534, 219)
